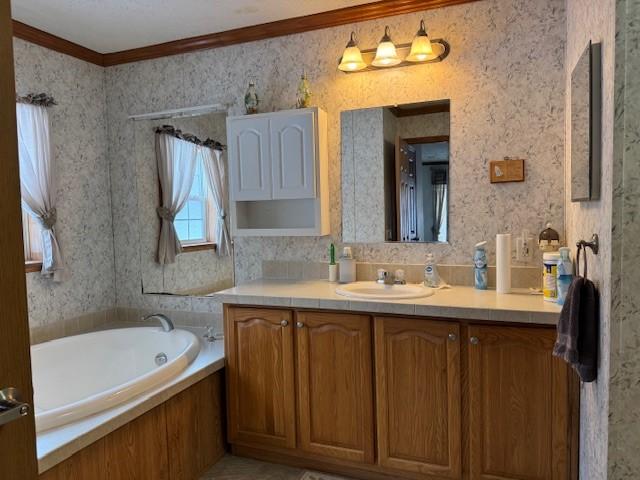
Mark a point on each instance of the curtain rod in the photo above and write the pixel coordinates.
(182, 112)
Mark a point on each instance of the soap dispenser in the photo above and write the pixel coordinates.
(431, 277)
(347, 266)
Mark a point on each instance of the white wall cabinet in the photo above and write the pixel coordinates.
(278, 173)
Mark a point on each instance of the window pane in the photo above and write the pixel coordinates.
(32, 235)
(183, 214)
(195, 210)
(182, 227)
(196, 229)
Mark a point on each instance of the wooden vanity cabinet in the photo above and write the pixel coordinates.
(519, 405)
(452, 400)
(260, 376)
(335, 392)
(418, 395)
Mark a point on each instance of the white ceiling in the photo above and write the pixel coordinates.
(112, 25)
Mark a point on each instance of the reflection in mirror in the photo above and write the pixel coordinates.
(395, 173)
(200, 269)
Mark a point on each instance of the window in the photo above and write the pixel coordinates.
(193, 221)
(32, 235)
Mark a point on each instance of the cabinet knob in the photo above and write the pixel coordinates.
(452, 337)
(299, 324)
(474, 340)
(284, 323)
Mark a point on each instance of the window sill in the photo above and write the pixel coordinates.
(198, 247)
(32, 266)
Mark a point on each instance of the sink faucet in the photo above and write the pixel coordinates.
(167, 324)
(385, 278)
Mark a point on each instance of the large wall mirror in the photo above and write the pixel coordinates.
(199, 269)
(395, 173)
(586, 114)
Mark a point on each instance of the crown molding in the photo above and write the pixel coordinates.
(53, 42)
(332, 18)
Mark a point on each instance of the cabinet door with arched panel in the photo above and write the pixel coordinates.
(335, 392)
(249, 158)
(260, 378)
(293, 154)
(418, 396)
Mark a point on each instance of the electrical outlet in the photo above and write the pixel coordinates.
(524, 247)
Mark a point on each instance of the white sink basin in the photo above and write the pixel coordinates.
(374, 290)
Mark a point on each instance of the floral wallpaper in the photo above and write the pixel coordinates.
(507, 99)
(84, 229)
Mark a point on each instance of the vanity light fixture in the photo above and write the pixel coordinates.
(386, 54)
(421, 47)
(351, 60)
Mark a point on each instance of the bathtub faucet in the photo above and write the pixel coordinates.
(167, 324)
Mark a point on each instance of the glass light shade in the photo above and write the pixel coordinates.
(421, 48)
(386, 54)
(351, 60)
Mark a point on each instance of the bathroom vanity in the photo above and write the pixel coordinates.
(458, 385)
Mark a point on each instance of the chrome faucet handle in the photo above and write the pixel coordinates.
(383, 275)
(399, 277)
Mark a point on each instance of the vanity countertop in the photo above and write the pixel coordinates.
(457, 302)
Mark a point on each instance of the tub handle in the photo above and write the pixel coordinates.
(11, 405)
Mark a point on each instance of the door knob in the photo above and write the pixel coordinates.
(474, 340)
(11, 405)
(452, 337)
(299, 324)
(284, 323)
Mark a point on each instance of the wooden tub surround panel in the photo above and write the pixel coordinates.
(177, 440)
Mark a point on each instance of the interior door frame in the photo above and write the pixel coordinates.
(18, 458)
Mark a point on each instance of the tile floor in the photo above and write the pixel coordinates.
(237, 468)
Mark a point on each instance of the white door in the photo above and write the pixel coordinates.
(249, 159)
(293, 155)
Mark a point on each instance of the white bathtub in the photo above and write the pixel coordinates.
(74, 377)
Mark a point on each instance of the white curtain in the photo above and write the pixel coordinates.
(439, 196)
(216, 176)
(36, 182)
(176, 160)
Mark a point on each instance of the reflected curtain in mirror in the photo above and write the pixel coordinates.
(37, 186)
(176, 159)
(439, 182)
(216, 176)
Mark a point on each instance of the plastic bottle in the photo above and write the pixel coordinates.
(550, 276)
(347, 263)
(431, 277)
(480, 266)
(565, 274)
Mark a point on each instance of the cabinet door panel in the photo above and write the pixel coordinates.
(519, 405)
(260, 376)
(335, 385)
(249, 159)
(418, 396)
(293, 155)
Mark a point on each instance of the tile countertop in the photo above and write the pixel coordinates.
(457, 302)
(58, 444)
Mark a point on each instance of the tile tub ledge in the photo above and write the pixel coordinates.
(58, 444)
(458, 302)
